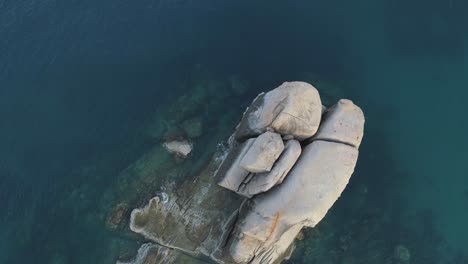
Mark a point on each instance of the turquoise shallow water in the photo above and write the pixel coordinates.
(80, 81)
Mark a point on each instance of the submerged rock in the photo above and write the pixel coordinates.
(117, 216)
(402, 255)
(193, 127)
(250, 205)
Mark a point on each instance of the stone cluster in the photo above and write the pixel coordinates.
(285, 143)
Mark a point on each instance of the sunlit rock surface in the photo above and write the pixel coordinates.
(263, 153)
(343, 123)
(262, 182)
(283, 169)
(291, 109)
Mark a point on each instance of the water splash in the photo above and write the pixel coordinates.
(163, 197)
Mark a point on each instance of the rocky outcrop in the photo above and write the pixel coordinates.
(285, 167)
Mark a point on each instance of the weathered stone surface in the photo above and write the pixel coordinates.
(294, 108)
(266, 229)
(233, 175)
(193, 218)
(179, 147)
(263, 153)
(343, 122)
(263, 182)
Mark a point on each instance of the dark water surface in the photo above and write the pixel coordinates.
(80, 79)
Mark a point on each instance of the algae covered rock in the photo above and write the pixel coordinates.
(117, 216)
(283, 169)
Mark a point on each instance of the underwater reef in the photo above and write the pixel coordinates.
(286, 164)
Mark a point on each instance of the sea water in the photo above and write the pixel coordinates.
(81, 80)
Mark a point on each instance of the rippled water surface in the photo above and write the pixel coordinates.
(88, 87)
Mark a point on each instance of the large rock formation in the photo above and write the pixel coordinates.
(284, 169)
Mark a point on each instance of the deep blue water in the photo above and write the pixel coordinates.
(79, 78)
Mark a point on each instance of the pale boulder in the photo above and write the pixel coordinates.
(294, 108)
(263, 153)
(180, 148)
(343, 122)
